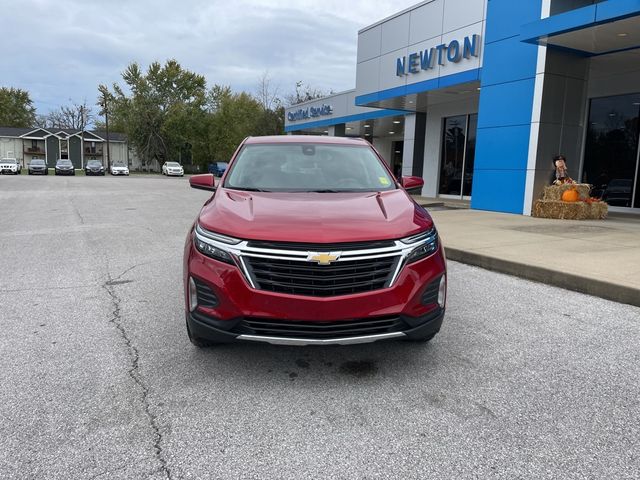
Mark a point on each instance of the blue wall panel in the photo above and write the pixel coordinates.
(502, 147)
(505, 17)
(498, 190)
(502, 64)
(506, 106)
(506, 103)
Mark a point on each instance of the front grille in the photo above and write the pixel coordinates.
(206, 297)
(324, 247)
(307, 278)
(430, 294)
(319, 330)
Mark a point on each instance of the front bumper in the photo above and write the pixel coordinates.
(220, 331)
(175, 173)
(8, 170)
(408, 307)
(65, 172)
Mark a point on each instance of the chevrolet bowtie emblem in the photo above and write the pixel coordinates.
(323, 258)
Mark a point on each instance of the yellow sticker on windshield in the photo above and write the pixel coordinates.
(384, 180)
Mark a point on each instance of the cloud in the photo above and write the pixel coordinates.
(61, 51)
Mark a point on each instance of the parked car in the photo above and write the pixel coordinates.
(119, 168)
(218, 168)
(10, 165)
(172, 168)
(618, 192)
(311, 240)
(64, 167)
(37, 165)
(94, 167)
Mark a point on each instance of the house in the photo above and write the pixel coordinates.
(76, 145)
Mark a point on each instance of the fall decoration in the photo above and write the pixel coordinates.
(570, 195)
(578, 205)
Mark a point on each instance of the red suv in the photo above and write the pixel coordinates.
(311, 241)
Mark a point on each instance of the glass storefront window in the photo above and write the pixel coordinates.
(458, 153)
(611, 150)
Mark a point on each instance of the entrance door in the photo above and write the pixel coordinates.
(611, 151)
(458, 153)
(396, 158)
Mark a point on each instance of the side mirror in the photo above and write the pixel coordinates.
(411, 183)
(204, 181)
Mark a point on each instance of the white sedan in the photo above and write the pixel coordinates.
(119, 168)
(172, 168)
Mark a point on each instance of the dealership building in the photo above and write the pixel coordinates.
(477, 96)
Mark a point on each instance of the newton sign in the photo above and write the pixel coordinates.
(453, 52)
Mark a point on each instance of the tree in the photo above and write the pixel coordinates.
(16, 108)
(304, 93)
(161, 114)
(73, 116)
(267, 94)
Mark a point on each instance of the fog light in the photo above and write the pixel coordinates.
(442, 291)
(193, 295)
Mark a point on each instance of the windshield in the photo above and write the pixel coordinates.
(37, 161)
(173, 164)
(94, 163)
(308, 168)
(118, 164)
(64, 162)
(9, 160)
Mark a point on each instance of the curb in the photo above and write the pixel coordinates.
(568, 281)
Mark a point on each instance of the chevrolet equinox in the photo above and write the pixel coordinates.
(311, 241)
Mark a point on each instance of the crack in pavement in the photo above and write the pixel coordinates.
(134, 371)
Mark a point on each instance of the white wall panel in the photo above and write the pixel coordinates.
(461, 13)
(395, 33)
(369, 44)
(426, 22)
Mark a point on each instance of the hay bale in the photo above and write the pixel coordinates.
(570, 210)
(554, 192)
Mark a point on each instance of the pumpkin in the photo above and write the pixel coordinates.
(570, 195)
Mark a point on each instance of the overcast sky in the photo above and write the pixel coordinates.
(61, 50)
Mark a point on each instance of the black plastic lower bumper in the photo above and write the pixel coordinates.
(226, 331)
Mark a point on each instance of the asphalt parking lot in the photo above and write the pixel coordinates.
(99, 379)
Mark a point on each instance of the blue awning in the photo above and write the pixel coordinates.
(606, 27)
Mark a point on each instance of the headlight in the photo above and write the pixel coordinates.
(214, 245)
(424, 244)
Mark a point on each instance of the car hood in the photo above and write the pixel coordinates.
(314, 217)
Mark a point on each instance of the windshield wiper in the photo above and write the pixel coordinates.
(327, 190)
(250, 189)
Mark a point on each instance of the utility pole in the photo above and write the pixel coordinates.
(103, 102)
(106, 123)
(82, 136)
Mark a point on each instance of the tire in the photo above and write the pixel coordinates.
(29, 172)
(198, 341)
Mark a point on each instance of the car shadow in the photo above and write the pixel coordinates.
(262, 364)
